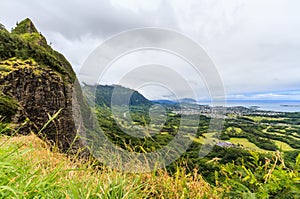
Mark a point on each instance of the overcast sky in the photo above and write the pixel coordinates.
(254, 44)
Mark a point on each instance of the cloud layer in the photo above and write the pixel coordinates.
(254, 44)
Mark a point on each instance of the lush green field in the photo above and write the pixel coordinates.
(244, 143)
(283, 146)
(263, 118)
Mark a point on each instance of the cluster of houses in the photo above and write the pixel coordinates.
(226, 144)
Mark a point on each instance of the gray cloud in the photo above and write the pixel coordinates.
(76, 18)
(255, 44)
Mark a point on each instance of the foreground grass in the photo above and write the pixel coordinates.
(28, 169)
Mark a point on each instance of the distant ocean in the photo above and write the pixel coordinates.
(267, 105)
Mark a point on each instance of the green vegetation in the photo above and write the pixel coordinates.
(243, 142)
(35, 171)
(25, 51)
(140, 144)
(2, 28)
(241, 133)
(118, 95)
(14, 64)
(25, 26)
(263, 118)
(28, 169)
(25, 42)
(264, 161)
(283, 146)
(8, 107)
(264, 131)
(261, 179)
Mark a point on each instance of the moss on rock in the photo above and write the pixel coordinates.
(8, 107)
(26, 42)
(25, 26)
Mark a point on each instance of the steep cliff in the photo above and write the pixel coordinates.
(36, 82)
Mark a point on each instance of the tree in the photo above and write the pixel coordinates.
(2, 27)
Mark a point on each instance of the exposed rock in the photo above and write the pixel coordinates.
(41, 92)
(41, 81)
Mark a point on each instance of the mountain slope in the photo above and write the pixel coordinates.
(36, 82)
(26, 42)
(119, 95)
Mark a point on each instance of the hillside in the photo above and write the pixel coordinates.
(36, 83)
(120, 96)
(25, 42)
(29, 169)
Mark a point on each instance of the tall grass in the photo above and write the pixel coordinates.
(29, 169)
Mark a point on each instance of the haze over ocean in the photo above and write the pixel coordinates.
(267, 105)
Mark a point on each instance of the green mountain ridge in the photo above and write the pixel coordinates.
(25, 42)
(107, 95)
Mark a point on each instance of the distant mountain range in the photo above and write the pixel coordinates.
(106, 95)
(164, 101)
(119, 95)
(184, 100)
(188, 100)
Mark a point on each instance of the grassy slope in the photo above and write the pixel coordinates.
(260, 118)
(283, 146)
(246, 144)
(29, 169)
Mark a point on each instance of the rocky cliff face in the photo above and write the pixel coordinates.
(40, 80)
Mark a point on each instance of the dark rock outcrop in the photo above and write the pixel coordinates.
(41, 81)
